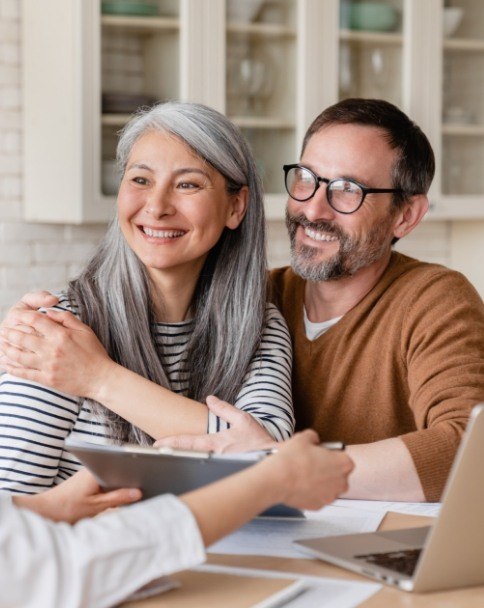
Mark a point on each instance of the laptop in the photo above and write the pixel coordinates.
(447, 555)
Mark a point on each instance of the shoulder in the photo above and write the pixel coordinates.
(419, 278)
(279, 277)
(285, 287)
(274, 323)
(65, 303)
(273, 317)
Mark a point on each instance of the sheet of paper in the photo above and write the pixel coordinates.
(320, 592)
(274, 536)
(431, 509)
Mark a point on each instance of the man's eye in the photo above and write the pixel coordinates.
(349, 187)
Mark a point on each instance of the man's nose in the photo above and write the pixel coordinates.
(318, 207)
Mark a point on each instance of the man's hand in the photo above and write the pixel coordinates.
(244, 434)
(76, 498)
(30, 301)
(56, 350)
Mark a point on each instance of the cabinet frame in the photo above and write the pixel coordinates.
(62, 90)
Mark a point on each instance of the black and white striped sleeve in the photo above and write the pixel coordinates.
(266, 391)
(34, 422)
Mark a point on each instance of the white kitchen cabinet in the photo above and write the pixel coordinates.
(271, 74)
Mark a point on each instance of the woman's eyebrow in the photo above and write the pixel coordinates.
(139, 166)
(184, 170)
(177, 172)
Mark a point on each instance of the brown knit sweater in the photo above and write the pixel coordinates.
(407, 360)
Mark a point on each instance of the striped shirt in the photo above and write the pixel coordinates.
(35, 420)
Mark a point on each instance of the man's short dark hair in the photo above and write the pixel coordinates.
(415, 166)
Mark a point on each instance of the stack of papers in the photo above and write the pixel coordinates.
(274, 536)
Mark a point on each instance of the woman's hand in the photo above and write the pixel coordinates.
(76, 498)
(244, 434)
(54, 349)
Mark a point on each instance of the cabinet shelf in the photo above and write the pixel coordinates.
(464, 44)
(115, 120)
(141, 24)
(265, 30)
(261, 122)
(471, 130)
(371, 37)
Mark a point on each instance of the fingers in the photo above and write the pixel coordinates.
(65, 318)
(117, 498)
(36, 299)
(18, 338)
(198, 443)
(229, 413)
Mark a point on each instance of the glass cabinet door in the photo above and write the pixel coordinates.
(371, 49)
(139, 66)
(261, 81)
(462, 98)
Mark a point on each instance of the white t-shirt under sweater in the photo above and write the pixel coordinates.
(35, 420)
(314, 330)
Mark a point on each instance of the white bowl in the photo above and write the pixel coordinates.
(452, 16)
(243, 11)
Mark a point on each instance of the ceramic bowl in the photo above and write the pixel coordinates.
(129, 7)
(243, 11)
(373, 16)
(452, 16)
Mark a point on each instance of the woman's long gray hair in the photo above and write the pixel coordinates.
(113, 292)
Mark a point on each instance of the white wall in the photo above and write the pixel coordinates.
(34, 256)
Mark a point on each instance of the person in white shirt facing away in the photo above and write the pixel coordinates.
(100, 562)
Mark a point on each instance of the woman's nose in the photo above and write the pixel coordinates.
(159, 203)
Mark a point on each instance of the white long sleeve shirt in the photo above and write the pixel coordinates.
(97, 562)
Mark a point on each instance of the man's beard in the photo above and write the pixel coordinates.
(353, 253)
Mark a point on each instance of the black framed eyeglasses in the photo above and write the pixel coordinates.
(344, 195)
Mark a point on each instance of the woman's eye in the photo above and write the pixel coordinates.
(142, 181)
(188, 186)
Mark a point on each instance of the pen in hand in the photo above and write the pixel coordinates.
(328, 445)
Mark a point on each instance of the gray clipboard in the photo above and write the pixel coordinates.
(163, 471)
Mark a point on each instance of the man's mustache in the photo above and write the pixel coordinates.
(319, 226)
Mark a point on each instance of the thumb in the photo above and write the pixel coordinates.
(229, 413)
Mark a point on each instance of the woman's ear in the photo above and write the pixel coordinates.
(410, 215)
(237, 208)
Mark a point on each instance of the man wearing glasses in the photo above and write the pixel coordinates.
(388, 351)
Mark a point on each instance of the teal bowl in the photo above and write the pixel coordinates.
(373, 16)
(126, 7)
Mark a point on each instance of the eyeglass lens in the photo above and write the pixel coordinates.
(343, 195)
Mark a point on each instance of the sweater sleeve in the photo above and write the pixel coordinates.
(443, 349)
(266, 391)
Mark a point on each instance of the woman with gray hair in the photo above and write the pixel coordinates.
(171, 309)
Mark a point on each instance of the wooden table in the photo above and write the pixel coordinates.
(202, 590)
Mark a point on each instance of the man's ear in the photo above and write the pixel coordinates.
(410, 215)
(237, 208)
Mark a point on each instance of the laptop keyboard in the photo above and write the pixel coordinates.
(401, 561)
